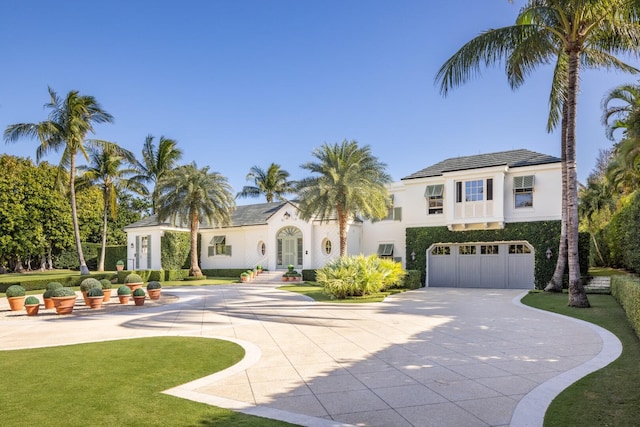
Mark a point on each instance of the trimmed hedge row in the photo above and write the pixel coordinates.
(618, 241)
(154, 275)
(113, 254)
(626, 290)
(31, 284)
(411, 280)
(223, 272)
(309, 275)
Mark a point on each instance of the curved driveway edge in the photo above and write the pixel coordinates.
(531, 409)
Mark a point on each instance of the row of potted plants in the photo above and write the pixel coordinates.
(291, 275)
(251, 273)
(94, 292)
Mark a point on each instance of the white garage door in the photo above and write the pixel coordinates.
(481, 265)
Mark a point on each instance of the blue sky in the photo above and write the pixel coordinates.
(240, 83)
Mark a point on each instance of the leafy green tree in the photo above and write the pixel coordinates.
(156, 161)
(189, 194)
(70, 121)
(576, 34)
(272, 183)
(90, 209)
(108, 170)
(349, 180)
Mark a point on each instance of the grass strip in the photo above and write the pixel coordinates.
(116, 383)
(610, 396)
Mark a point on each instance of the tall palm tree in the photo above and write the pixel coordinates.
(272, 183)
(156, 161)
(70, 120)
(189, 193)
(350, 180)
(109, 168)
(585, 34)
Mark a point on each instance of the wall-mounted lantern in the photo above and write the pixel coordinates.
(286, 215)
(549, 253)
(413, 255)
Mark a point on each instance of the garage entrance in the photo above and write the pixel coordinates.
(481, 265)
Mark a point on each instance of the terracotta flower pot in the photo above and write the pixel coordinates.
(285, 279)
(64, 305)
(139, 300)
(154, 293)
(119, 267)
(32, 309)
(85, 298)
(16, 303)
(95, 302)
(48, 303)
(134, 286)
(107, 295)
(124, 299)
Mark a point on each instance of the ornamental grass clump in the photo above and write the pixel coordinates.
(359, 276)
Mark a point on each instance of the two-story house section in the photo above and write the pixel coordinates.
(470, 210)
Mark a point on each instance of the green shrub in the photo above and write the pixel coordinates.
(124, 290)
(52, 286)
(30, 300)
(221, 272)
(48, 294)
(170, 275)
(188, 278)
(154, 284)
(358, 275)
(139, 293)
(309, 275)
(120, 263)
(244, 274)
(105, 283)
(411, 280)
(133, 278)
(626, 290)
(95, 292)
(90, 283)
(15, 291)
(175, 247)
(64, 292)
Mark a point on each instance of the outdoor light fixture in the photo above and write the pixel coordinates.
(131, 245)
(549, 253)
(286, 215)
(413, 256)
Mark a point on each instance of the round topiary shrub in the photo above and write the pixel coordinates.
(48, 293)
(52, 286)
(15, 291)
(106, 283)
(95, 292)
(31, 300)
(124, 290)
(154, 285)
(120, 263)
(89, 283)
(139, 293)
(64, 292)
(133, 278)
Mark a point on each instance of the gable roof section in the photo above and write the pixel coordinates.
(257, 214)
(513, 159)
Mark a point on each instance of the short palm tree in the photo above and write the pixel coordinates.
(156, 161)
(574, 34)
(109, 168)
(272, 183)
(191, 194)
(70, 121)
(349, 180)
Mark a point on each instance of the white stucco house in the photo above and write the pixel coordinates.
(473, 207)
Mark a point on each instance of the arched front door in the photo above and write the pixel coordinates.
(289, 248)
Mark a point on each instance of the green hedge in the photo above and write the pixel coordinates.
(36, 284)
(68, 259)
(174, 250)
(147, 275)
(309, 275)
(541, 234)
(626, 290)
(618, 241)
(223, 272)
(113, 254)
(412, 280)
(172, 275)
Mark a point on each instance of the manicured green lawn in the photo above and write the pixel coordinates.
(51, 275)
(610, 396)
(605, 271)
(315, 292)
(115, 383)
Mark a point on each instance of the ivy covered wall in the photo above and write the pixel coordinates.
(174, 250)
(541, 234)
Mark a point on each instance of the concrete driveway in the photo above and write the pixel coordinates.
(430, 357)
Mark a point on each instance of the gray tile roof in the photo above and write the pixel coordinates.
(242, 215)
(513, 159)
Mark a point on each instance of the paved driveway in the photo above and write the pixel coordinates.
(430, 357)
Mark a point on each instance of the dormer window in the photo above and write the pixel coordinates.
(523, 191)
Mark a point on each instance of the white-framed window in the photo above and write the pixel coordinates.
(385, 250)
(144, 244)
(523, 191)
(218, 246)
(489, 250)
(435, 199)
(467, 250)
(394, 214)
(326, 246)
(519, 249)
(476, 190)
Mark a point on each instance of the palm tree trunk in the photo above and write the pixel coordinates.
(74, 216)
(104, 233)
(342, 224)
(577, 294)
(195, 269)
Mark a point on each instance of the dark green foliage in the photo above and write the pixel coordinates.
(106, 283)
(114, 254)
(52, 286)
(154, 284)
(30, 300)
(175, 250)
(411, 280)
(64, 292)
(139, 293)
(133, 278)
(309, 275)
(69, 258)
(541, 234)
(95, 292)
(124, 290)
(626, 290)
(48, 293)
(191, 278)
(15, 291)
(31, 284)
(175, 274)
(90, 283)
(222, 272)
(147, 275)
(619, 242)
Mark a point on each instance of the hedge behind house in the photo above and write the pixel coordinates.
(541, 234)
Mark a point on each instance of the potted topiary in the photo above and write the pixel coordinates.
(120, 265)
(64, 300)
(133, 281)
(96, 297)
(259, 269)
(124, 293)
(244, 276)
(139, 296)
(106, 289)
(51, 286)
(154, 289)
(32, 305)
(15, 296)
(87, 284)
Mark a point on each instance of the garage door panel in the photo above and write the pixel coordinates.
(442, 270)
(469, 271)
